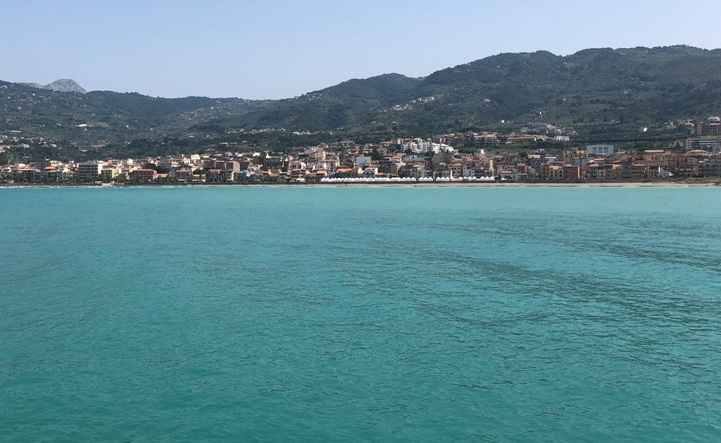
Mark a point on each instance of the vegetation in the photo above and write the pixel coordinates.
(600, 93)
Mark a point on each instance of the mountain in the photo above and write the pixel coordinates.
(594, 91)
(337, 107)
(65, 85)
(100, 118)
(636, 86)
(62, 85)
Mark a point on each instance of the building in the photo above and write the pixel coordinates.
(711, 143)
(639, 171)
(654, 157)
(553, 172)
(363, 161)
(108, 173)
(182, 174)
(571, 173)
(223, 165)
(601, 149)
(712, 126)
(168, 163)
(711, 167)
(143, 175)
(88, 171)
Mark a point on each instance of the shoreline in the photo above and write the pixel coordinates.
(626, 184)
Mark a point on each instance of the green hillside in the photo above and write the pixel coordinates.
(104, 117)
(594, 91)
(621, 89)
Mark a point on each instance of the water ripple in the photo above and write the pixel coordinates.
(360, 314)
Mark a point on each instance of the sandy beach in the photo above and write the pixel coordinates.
(458, 184)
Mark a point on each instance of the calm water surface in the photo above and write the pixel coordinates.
(386, 314)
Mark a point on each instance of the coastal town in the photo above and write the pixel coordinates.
(457, 157)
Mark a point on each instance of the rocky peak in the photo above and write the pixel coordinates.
(62, 85)
(65, 85)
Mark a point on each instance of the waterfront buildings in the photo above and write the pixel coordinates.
(452, 156)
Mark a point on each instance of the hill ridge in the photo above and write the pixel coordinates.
(590, 90)
(60, 85)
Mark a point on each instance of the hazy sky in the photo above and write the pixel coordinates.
(284, 48)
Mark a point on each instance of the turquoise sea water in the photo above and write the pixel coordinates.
(360, 314)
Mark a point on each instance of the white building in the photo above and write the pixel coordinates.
(601, 149)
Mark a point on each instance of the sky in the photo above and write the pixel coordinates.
(284, 48)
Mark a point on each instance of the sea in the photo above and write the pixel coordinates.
(312, 314)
